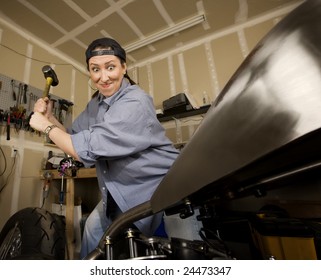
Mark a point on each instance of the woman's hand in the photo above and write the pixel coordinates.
(44, 106)
(39, 121)
(60, 137)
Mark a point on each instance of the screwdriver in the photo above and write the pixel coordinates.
(14, 96)
(8, 127)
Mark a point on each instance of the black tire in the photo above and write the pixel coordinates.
(33, 233)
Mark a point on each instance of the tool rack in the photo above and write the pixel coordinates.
(17, 101)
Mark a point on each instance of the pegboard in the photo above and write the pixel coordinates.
(21, 106)
(9, 86)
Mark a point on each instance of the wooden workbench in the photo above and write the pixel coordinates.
(70, 196)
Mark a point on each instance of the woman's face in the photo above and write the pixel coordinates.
(106, 72)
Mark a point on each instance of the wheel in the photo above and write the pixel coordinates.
(33, 233)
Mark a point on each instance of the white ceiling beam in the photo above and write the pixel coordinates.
(183, 25)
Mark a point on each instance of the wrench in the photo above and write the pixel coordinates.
(30, 100)
(14, 96)
(25, 88)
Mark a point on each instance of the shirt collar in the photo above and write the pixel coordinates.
(110, 100)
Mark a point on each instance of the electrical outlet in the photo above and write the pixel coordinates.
(14, 152)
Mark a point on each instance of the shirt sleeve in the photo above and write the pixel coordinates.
(85, 118)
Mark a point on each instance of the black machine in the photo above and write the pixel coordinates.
(177, 104)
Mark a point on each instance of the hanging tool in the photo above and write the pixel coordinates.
(18, 97)
(30, 101)
(18, 116)
(61, 194)
(54, 107)
(14, 96)
(51, 79)
(25, 89)
(8, 126)
(20, 94)
(64, 105)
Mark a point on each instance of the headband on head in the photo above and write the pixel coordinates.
(105, 43)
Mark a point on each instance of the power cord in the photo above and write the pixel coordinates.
(12, 169)
(38, 60)
(5, 162)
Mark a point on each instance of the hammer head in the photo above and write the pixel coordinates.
(50, 73)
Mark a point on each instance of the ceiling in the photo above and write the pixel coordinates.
(68, 26)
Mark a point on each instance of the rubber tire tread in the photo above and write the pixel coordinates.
(42, 234)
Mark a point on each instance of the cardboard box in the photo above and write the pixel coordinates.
(283, 238)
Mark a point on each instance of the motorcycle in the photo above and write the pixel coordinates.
(263, 129)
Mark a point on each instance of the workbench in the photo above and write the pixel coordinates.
(69, 200)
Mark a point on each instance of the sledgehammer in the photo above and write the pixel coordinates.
(51, 79)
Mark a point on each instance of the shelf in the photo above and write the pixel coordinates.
(201, 110)
(81, 173)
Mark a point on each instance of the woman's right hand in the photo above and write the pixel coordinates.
(39, 121)
(43, 106)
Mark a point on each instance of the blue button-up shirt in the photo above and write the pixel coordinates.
(123, 138)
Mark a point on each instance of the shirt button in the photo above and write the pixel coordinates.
(104, 171)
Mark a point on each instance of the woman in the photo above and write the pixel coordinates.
(119, 133)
